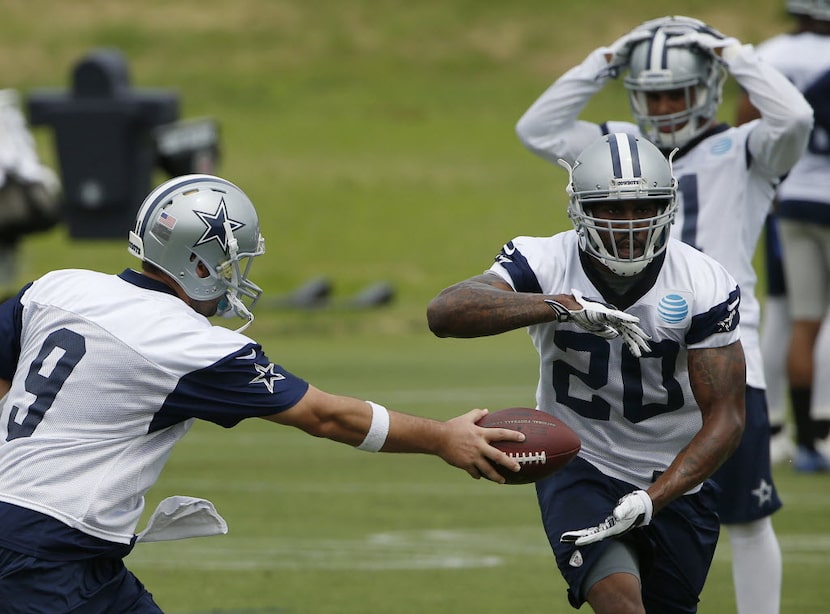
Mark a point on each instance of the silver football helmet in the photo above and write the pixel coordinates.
(654, 66)
(196, 219)
(621, 167)
(817, 9)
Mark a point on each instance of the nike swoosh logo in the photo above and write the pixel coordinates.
(733, 304)
(509, 250)
(250, 356)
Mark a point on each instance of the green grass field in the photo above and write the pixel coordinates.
(376, 137)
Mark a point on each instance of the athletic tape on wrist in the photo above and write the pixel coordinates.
(378, 430)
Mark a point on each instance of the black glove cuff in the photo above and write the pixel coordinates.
(563, 314)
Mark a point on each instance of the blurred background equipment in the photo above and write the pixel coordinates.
(110, 138)
(29, 191)
(188, 146)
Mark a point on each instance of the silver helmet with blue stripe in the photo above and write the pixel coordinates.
(616, 169)
(195, 219)
(656, 66)
(816, 9)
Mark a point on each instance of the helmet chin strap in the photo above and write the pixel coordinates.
(239, 309)
(235, 304)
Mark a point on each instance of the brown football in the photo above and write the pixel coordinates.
(549, 443)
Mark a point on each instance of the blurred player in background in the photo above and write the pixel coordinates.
(655, 392)
(803, 219)
(105, 373)
(674, 71)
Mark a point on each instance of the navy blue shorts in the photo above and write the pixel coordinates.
(90, 586)
(774, 258)
(675, 550)
(748, 492)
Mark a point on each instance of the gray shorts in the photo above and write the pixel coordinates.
(806, 248)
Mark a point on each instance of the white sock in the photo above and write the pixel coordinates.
(756, 566)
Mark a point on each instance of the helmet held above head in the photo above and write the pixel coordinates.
(657, 67)
(816, 9)
(622, 167)
(201, 219)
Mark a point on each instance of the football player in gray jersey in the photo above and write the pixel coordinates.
(639, 352)
(673, 69)
(103, 374)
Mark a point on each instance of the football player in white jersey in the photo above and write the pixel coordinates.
(657, 400)
(105, 373)
(674, 69)
(803, 217)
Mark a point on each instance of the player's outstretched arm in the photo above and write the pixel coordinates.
(718, 379)
(485, 305)
(373, 428)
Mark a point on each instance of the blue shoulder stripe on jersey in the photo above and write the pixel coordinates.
(163, 196)
(244, 384)
(11, 325)
(722, 318)
(524, 279)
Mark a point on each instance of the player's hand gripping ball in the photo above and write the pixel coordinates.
(549, 443)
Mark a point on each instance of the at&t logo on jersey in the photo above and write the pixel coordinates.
(721, 146)
(673, 308)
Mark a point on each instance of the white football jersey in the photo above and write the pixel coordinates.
(726, 184)
(632, 415)
(804, 58)
(109, 372)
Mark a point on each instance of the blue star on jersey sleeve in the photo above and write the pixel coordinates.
(243, 385)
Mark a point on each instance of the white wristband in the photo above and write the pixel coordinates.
(378, 430)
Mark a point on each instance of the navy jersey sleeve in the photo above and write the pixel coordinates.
(818, 95)
(721, 318)
(11, 323)
(242, 385)
(520, 271)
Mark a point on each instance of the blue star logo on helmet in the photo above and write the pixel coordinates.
(215, 225)
(673, 308)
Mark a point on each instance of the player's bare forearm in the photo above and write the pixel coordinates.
(718, 379)
(486, 305)
(459, 442)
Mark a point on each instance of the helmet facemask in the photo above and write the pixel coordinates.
(233, 273)
(621, 168)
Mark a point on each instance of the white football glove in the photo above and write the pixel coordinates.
(605, 321)
(619, 51)
(633, 510)
(723, 48)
